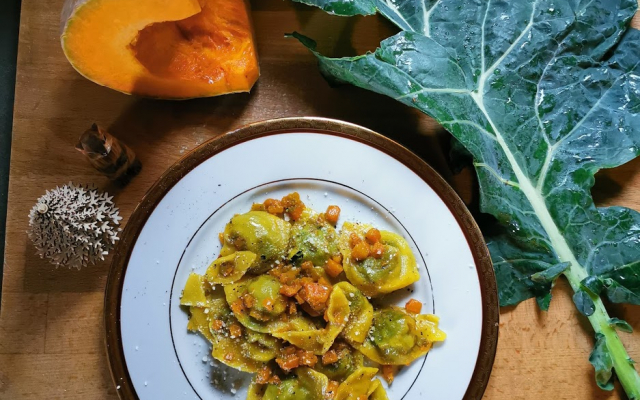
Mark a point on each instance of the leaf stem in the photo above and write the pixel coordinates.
(599, 320)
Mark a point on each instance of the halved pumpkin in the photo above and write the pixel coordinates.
(171, 49)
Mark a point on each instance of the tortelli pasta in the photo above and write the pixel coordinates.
(290, 299)
(314, 239)
(397, 337)
(259, 232)
(360, 314)
(394, 269)
(304, 383)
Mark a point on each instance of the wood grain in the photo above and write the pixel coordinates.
(51, 343)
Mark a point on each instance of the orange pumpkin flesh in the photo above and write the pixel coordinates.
(162, 48)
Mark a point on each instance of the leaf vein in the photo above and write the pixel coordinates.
(496, 175)
(427, 16)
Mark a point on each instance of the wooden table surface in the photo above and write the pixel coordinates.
(51, 332)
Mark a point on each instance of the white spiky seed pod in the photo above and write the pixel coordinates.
(74, 226)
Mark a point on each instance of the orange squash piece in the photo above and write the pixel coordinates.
(171, 49)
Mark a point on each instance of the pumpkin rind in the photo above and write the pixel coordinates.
(172, 49)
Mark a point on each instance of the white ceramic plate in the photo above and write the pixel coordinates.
(175, 231)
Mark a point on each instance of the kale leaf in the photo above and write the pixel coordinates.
(542, 94)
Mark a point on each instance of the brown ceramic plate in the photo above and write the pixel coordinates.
(174, 231)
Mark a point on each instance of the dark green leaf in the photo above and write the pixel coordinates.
(543, 94)
(593, 285)
(544, 301)
(408, 15)
(628, 292)
(584, 303)
(620, 325)
(306, 41)
(345, 8)
(550, 274)
(514, 266)
(601, 360)
(622, 283)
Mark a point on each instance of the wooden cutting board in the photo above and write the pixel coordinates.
(51, 334)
